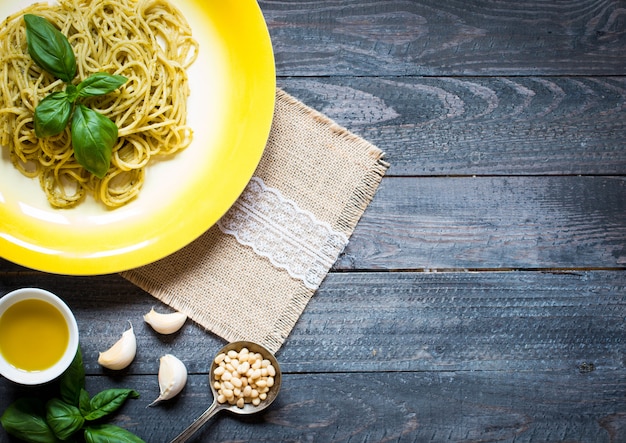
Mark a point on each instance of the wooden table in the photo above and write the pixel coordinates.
(482, 296)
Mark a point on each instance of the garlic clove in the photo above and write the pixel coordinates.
(172, 378)
(165, 323)
(122, 353)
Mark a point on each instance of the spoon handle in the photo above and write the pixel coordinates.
(197, 424)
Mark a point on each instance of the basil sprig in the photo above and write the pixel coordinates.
(62, 419)
(93, 134)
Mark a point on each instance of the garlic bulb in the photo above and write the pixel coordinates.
(165, 323)
(122, 353)
(172, 377)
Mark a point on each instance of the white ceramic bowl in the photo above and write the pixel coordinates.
(39, 377)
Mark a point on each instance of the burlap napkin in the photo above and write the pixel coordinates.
(250, 276)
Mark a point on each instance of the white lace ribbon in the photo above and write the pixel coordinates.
(291, 238)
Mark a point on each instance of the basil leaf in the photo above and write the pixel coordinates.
(72, 381)
(84, 402)
(72, 92)
(49, 48)
(106, 433)
(107, 401)
(24, 419)
(93, 138)
(52, 115)
(100, 84)
(64, 419)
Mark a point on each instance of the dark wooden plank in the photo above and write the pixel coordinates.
(490, 321)
(492, 222)
(429, 37)
(498, 321)
(544, 405)
(480, 126)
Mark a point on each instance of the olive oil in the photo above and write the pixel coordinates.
(33, 335)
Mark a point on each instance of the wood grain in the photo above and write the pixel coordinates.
(439, 223)
(425, 223)
(547, 405)
(480, 126)
(492, 222)
(388, 322)
(434, 38)
(391, 357)
(484, 321)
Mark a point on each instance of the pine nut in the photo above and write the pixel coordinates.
(242, 377)
(243, 367)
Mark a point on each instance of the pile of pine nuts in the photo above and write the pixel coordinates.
(242, 377)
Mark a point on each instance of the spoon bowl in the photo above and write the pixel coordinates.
(248, 408)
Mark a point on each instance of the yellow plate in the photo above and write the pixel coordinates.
(230, 109)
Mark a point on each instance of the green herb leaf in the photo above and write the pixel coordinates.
(52, 115)
(100, 84)
(25, 420)
(93, 138)
(72, 381)
(72, 92)
(49, 48)
(108, 401)
(110, 434)
(84, 402)
(64, 419)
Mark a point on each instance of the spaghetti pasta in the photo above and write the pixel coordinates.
(147, 41)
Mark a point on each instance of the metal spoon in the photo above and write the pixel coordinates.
(248, 408)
